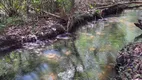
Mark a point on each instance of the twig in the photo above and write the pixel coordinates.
(51, 14)
(69, 23)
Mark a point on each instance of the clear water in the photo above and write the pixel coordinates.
(90, 57)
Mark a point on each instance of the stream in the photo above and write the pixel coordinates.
(88, 55)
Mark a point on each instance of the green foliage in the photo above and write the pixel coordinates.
(36, 1)
(11, 21)
(91, 6)
(66, 4)
(11, 7)
(2, 26)
(25, 7)
(98, 11)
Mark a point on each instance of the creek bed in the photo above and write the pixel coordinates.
(91, 56)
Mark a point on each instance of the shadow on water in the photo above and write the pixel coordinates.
(90, 57)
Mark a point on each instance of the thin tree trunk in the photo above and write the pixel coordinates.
(27, 7)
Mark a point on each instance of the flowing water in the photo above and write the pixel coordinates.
(91, 56)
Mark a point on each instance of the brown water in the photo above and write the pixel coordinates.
(90, 57)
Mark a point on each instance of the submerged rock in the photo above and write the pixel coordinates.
(52, 55)
(50, 76)
(65, 36)
(67, 75)
(42, 72)
(129, 62)
(66, 51)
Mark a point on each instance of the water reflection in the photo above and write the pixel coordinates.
(100, 25)
(30, 76)
(42, 69)
(90, 57)
(53, 55)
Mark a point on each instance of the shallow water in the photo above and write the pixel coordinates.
(90, 57)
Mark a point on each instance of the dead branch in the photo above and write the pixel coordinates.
(48, 13)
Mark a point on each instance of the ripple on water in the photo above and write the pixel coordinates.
(66, 51)
(53, 55)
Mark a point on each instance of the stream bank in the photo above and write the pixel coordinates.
(15, 36)
(92, 55)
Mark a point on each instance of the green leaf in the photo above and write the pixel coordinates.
(91, 6)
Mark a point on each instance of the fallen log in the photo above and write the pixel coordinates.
(54, 30)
